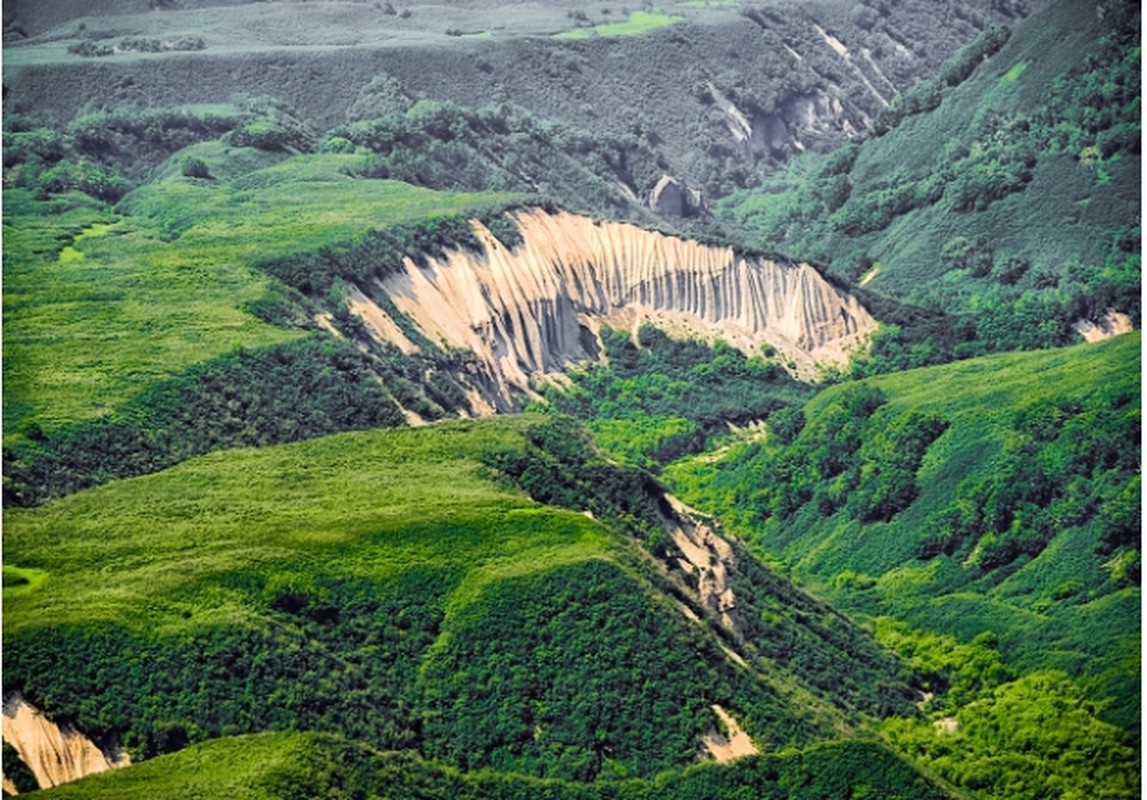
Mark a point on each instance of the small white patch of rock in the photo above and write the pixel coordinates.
(1113, 323)
(731, 743)
(53, 753)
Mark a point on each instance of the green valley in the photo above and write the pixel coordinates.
(694, 399)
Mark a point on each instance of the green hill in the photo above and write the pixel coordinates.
(284, 766)
(1004, 190)
(991, 504)
(378, 585)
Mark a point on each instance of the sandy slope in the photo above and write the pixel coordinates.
(732, 744)
(55, 755)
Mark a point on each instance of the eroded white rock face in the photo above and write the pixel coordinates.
(709, 557)
(730, 743)
(536, 310)
(1113, 323)
(55, 755)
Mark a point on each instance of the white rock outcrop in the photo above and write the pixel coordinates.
(709, 557)
(536, 310)
(1113, 323)
(730, 742)
(55, 755)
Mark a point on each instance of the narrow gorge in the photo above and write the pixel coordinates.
(531, 311)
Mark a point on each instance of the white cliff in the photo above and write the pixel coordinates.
(54, 754)
(536, 310)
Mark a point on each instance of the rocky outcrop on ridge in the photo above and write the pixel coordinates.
(537, 309)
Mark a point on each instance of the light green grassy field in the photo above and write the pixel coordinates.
(254, 767)
(367, 505)
(97, 307)
(88, 327)
(637, 22)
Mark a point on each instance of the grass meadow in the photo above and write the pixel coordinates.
(99, 305)
(157, 552)
(636, 23)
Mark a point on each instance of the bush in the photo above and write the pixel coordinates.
(649, 385)
(560, 466)
(103, 154)
(848, 459)
(89, 177)
(786, 423)
(196, 168)
(959, 67)
(1063, 468)
(271, 136)
(376, 254)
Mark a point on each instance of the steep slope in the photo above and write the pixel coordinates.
(380, 586)
(55, 755)
(1007, 188)
(992, 504)
(536, 309)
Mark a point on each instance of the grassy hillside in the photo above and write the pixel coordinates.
(93, 316)
(139, 336)
(1005, 188)
(379, 585)
(168, 280)
(991, 504)
(283, 766)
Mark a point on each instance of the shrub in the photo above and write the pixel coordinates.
(88, 177)
(269, 136)
(959, 67)
(196, 168)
